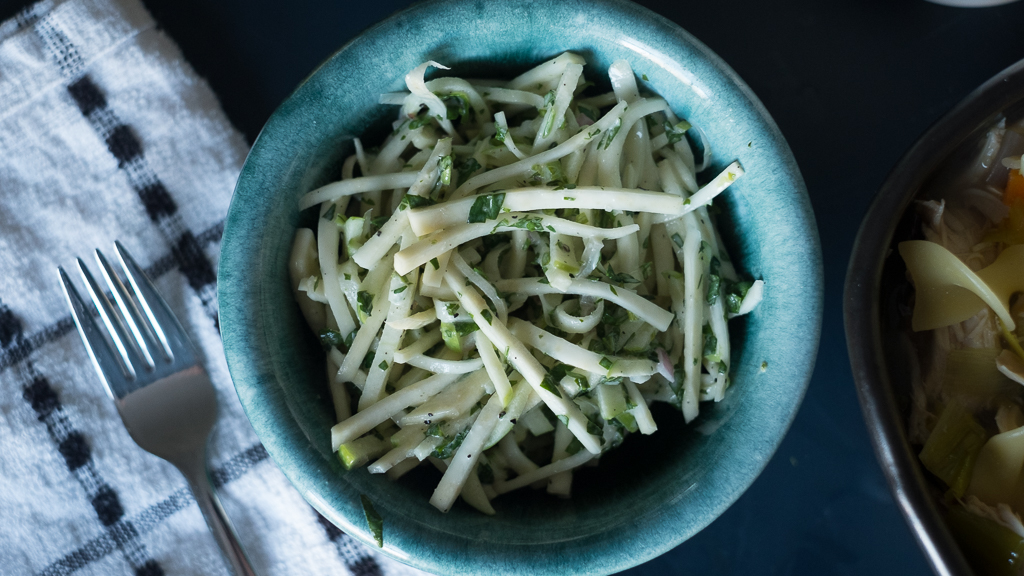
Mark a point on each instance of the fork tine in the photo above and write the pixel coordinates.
(129, 312)
(103, 358)
(163, 322)
(109, 320)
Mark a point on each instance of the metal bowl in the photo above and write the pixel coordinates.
(875, 287)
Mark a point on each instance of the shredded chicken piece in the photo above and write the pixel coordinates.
(1000, 514)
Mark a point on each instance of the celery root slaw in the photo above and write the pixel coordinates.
(514, 275)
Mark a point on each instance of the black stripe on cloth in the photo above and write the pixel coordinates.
(77, 454)
(157, 200)
(24, 19)
(147, 520)
(30, 14)
(238, 465)
(124, 145)
(355, 556)
(193, 262)
(63, 52)
(23, 347)
(87, 95)
(16, 348)
(10, 327)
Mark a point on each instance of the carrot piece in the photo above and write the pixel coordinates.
(1014, 188)
(1011, 229)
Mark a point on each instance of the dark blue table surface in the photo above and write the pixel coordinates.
(851, 83)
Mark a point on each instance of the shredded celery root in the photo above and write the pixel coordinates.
(513, 276)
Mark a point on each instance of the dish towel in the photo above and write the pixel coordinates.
(107, 133)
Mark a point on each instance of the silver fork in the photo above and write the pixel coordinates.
(150, 369)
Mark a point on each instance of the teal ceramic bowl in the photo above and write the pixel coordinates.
(647, 496)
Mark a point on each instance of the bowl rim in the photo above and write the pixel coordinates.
(861, 311)
(810, 322)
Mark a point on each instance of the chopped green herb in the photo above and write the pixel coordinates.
(606, 140)
(575, 445)
(678, 385)
(531, 223)
(466, 168)
(373, 520)
(714, 281)
(486, 315)
(549, 122)
(619, 434)
(606, 363)
(365, 301)
(606, 219)
(400, 289)
(550, 385)
(500, 134)
(486, 207)
(383, 365)
(734, 294)
(435, 263)
(458, 105)
(421, 119)
(550, 173)
(677, 132)
(677, 240)
(414, 201)
(444, 171)
(453, 332)
(330, 338)
(618, 277)
(710, 344)
(445, 450)
(561, 371)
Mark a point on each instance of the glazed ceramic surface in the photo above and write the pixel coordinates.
(648, 495)
(876, 287)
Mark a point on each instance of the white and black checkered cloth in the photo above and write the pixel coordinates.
(106, 133)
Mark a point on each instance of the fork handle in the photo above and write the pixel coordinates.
(209, 505)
